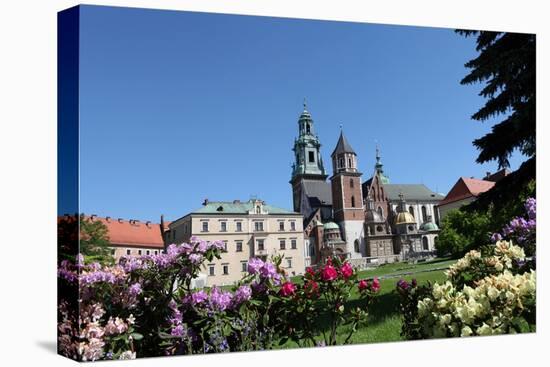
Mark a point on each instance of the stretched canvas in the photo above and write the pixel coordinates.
(245, 183)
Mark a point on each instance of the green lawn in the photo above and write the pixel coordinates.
(384, 322)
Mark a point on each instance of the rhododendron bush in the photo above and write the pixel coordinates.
(487, 292)
(146, 306)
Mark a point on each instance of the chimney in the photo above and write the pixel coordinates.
(205, 201)
(108, 219)
(93, 217)
(148, 224)
(120, 220)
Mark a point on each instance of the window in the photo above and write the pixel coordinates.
(292, 226)
(411, 210)
(341, 163)
(258, 210)
(281, 226)
(260, 245)
(351, 182)
(293, 244)
(205, 226)
(379, 228)
(239, 246)
(349, 162)
(425, 245)
(289, 262)
(356, 246)
(139, 252)
(128, 252)
(244, 266)
(239, 226)
(353, 201)
(311, 250)
(224, 246)
(311, 157)
(308, 129)
(411, 228)
(258, 226)
(211, 269)
(424, 214)
(225, 269)
(282, 244)
(223, 226)
(148, 252)
(156, 252)
(380, 212)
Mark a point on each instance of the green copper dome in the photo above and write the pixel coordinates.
(429, 226)
(331, 225)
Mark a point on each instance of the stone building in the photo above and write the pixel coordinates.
(249, 229)
(375, 218)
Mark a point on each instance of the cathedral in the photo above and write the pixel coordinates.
(372, 220)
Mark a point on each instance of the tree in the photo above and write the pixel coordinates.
(506, 65)
(94, 241)
(462, 231)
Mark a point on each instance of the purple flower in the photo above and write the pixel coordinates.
(195, 259)
(135, 289)
(198, 297)
(531, 208)
(268, 270)
(79, 260)
(242, 294)
(220, 300)
(254, 265)
(403, 284)
(496, 237)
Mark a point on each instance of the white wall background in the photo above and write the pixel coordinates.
(28, 184)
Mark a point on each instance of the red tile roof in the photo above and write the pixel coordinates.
(132, 233)
(466, 188)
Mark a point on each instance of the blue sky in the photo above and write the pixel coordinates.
(179, 106)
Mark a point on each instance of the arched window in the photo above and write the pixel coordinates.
(353, 201)
(380, 212)
(411, 210)
(312, 250)
(349, 162)
(425, 245)
(351, 182)
(308, 129)
(356, 246)
(424, 214)
(258, 210)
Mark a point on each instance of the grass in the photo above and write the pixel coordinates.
(384, 321)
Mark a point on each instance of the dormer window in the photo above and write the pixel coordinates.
(258, 210)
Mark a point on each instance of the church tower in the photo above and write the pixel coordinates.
(308, 164)
(347, 196)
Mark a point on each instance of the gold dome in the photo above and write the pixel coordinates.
(404, 218)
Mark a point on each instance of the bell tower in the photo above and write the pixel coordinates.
(308, 163)
(347, 196)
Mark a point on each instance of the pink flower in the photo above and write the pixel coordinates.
(376, 285)
(346, 270)
(312, 288)
(288, 289)
(363, 284)
(329, 273)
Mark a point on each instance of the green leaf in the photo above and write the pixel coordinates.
(137, 336)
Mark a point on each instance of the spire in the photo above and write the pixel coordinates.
(378, 166)
(342, 146)
(402, 207)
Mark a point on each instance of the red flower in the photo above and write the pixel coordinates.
(288, 289)
(329, 273)
(375, 285)
(347, 270)
(363, 284)
(312, 288)
(310, 272)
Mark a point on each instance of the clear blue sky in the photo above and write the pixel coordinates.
(178, 106)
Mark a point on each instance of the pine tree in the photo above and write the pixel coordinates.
(506, 65)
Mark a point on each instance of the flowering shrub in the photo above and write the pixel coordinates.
(145, 306)
(522, 230)
(487, 292)
(323, 295)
